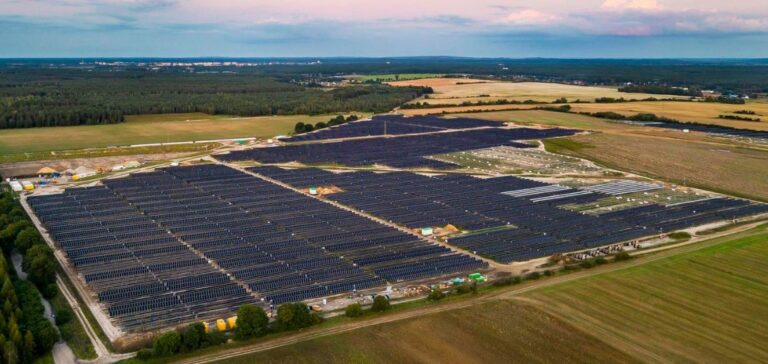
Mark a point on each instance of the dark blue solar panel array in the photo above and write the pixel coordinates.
(144, 243)
(539, 229)
(392, 125)
(144, 275)
(404, 152)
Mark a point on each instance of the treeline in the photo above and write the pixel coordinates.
(251, 322)
(63, 97)
(301, 128)
(736, 117)
(661, 90)
(25, 333)
(427, 105)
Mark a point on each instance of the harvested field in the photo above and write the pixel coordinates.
(465, 109)
(718, 167)
(707, 306)
(549, 118)
(147, 129)
(462, 90)
(499, 331)
(700, 112)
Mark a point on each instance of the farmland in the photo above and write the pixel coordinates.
(486, 333)
(143, 129)
(718, 167)
(392, 77)
(457, 91)
(700, 112)
(703, 306)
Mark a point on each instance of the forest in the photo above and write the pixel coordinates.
(25, 333)
(36, 97)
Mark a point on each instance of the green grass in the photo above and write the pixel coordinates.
(87, 312)
(106, 152)
(145, 129)
(73, 332)
(709, 305)
(485, 334)
(393, 77)
(560, 145)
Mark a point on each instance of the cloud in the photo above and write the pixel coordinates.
(530, 17)
(631, 4)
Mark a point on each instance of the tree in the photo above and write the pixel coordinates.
(354, 310)
(167, 344)
(380, 304)
(10, 354)
(292, 316)
(29, 345)
(192, 337)
(8, 234)
(26, 239)
(436, 295)
(252, 321)
(63, 316)
(298, 128)
(40, 265)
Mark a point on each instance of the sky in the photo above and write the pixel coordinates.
(325, 28)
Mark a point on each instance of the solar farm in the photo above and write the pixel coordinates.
(523, 217)
(192, 243)
(187, 243)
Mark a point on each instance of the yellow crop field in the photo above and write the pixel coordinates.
(456, 91)
(701, 112)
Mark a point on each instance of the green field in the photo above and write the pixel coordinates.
(392, 77)
(707, 306)
(146, 129)
(498, 331)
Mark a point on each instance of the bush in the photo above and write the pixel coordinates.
(436, 295)
(50, 291)
(380, 304)
(600, 261)
(292, 316)
(215, 337)
(192, 337)
(533, 276)
(622, 256)
(507, 281)
(63, 316)
(252, 321)
(144, 354)
(167, 344)
(354, 310)
(586, 264)
(680, 235)
(463, 289)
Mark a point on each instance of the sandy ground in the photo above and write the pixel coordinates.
(30, 168)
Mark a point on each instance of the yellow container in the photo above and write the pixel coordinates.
(232, 322)
(207, 328)
(29, 187)
(221, 325)
(76, 177)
